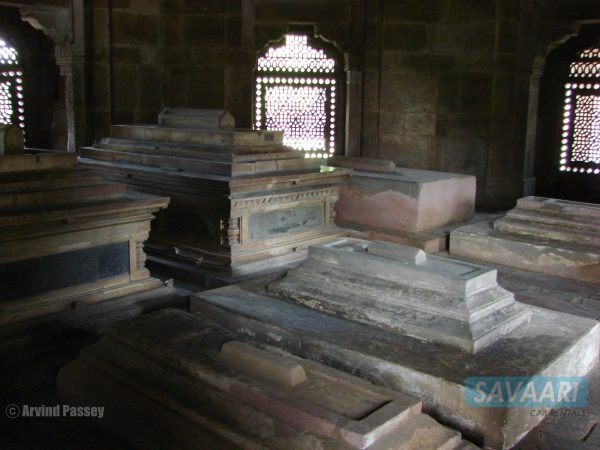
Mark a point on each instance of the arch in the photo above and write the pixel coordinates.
(567, 148)
(300, 90)
(43, 93)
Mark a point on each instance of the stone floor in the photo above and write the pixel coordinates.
(27, 376)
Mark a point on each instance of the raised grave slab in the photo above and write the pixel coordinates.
(170, 380)
(551, 236)
(241, 202)
(401, 289)
(410, 322)
(403, 205)
(67, 237)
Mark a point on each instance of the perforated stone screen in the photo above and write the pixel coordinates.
(580, 142)
(12, 107)
(296, 86)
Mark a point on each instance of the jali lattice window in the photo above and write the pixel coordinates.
(12, 110)
(296, 92)
(580, 142)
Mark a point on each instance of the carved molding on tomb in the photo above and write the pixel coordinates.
(284, 198)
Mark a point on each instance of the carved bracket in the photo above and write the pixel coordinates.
(54, 21)
(140, 255)
(332, 212)
(230, 231)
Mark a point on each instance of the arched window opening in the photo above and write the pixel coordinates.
(580, 141)
(12, 106)
(297, 91)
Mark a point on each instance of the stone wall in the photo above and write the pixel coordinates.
(332, 19)
(433, 84)
(150, 54)
(448, 85)
(181, 53)
(446, 89)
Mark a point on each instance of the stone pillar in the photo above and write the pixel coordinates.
(71, 63)
(239, 74)
(65, 26)
(532, 114)
(371, 89)
(354, 82)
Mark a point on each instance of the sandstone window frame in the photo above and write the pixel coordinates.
(324, 86)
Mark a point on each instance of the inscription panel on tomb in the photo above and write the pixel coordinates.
(277, 223)
(38, 275)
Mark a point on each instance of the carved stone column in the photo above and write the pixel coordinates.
(71, 62)
(65, 26)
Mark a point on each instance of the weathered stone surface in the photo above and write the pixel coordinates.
(364, 164)
(555, 237)
(200, 136)
(393, 206)
(41, 162)
(402, 290)
(419, 200)
(161, 378)
(241, 202)
(411, 255)
(550, 343)
(68, 238)
(215, 119)
(87, 319)
(11, 140)
(561, 220)
(261, 364)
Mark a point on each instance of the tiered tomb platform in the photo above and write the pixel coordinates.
(412, 322)
(68, 239)
(406, 206)
(241, 202)
(550, 236)
(173, 380)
